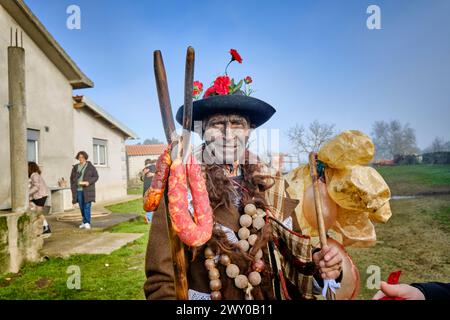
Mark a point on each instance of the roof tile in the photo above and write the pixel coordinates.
(145, 150)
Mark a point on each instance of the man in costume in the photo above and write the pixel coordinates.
(257, 249)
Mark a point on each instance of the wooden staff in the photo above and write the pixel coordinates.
(176, 246)
(319, 215)
(188, 101)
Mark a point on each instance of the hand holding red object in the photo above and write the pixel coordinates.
(394, 291)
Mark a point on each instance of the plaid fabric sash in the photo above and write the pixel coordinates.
(293, 257)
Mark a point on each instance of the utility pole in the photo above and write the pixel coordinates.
(17, 125)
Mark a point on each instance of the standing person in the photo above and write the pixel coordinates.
(146, 177)
(263, 255)
(82, 183)
(38, 192)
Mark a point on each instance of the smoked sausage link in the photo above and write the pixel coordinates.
(154, 194)
(192, 232)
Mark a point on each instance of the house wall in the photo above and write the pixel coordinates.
(112, 183)
(49, 110)
(135, 166)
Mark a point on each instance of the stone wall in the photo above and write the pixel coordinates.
(20, 240)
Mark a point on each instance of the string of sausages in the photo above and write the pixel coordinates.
(154, 194)
(193, 230)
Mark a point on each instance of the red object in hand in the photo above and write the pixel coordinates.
(393, 278)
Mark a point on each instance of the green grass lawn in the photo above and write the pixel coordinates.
(119, 275)
(134, 206)
(135, 190)
(416, 179)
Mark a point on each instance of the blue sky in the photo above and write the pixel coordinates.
(310, 59)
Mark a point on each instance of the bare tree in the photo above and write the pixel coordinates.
(393, 139)
(438, 145)
(306, 141)
(380, 136)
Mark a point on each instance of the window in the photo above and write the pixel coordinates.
(100, 152)
(33, 145)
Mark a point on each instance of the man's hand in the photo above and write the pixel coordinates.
(329, 262)
(403, 291)
(84, 183)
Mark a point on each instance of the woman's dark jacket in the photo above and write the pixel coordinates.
(91, 176)
(434, 290)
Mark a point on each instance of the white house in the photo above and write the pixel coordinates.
(136, 156)
(59, 125)
(48, 125)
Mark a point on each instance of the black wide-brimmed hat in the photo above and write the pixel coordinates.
(257, 111)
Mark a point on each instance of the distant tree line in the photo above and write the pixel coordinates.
(392, 139)
(150, 141)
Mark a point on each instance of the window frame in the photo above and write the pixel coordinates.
(96, 145)
(36, 143)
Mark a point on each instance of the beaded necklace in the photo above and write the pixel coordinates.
(252, 217)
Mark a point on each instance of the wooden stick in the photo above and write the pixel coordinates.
(319, 212)
(176, 246)
(163, 96)
(188, 101)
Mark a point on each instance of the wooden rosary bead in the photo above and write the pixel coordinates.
(232, 271)
(258, 223)
(224, 260)
(260, 212)
(252, 239)
(245, 220)
(254, 278)
(209, 254)
(243, 233)
(214, 274)
(241, 281)
(215, 285)
(216, 295)
(243, 245)
(209, 264)
(250, 209)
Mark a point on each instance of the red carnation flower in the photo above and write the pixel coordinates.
(198, 85)
(209, 92)
(235, 56)
(222, 85)
(248, 80)
(198, 88)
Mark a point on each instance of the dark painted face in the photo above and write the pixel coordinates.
(226, 136)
